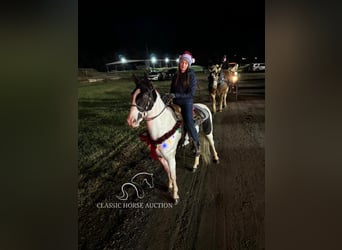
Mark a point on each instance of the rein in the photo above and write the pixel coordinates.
(153, 117)
(149, 118)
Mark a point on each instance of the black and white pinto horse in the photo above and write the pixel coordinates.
(218, 88)
(164, 129)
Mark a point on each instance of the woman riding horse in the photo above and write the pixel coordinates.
(164, 129)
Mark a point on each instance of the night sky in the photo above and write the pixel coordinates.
(106, 31)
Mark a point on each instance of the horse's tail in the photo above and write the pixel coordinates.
(205, 148)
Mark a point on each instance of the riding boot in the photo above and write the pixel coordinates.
(182, 139)
(197, 150)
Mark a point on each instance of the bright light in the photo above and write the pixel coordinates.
(123, 60)
(234, 79)
(167, 60)
(153, 59)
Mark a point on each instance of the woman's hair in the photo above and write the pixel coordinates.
(182, 79)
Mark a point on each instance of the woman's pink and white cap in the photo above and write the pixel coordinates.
(188, 57)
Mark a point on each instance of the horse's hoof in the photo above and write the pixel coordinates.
(216, 161)
(194, 170)
(176, 201)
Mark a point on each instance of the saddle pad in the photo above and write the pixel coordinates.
(201, 118)
(202, 113)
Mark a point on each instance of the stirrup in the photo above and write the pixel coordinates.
(197, 150)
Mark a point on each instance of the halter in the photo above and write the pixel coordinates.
(148, 105)
(216, 77)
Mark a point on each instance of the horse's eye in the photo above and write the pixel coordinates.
(139, 99)
(140, 102)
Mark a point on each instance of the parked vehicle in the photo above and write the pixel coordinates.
(155, 76)
(257, 67)
(170, 73)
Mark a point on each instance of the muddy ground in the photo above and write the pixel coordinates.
(221, 206)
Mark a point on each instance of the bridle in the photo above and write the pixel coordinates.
(149, 99)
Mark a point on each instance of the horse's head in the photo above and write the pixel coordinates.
(214, 73)
(215, 70)
(143, 98)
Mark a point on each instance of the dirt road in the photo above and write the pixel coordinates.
(221, 206)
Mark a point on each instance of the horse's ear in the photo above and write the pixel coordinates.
(151, 85)
(135, 79)
(146, 77)
(147, 81)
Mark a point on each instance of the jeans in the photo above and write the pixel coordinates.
(189, 124)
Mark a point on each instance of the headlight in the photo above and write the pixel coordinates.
(234, 79)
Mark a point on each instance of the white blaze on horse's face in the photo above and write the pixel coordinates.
(134, 117)
(215, 77)
(215, 73)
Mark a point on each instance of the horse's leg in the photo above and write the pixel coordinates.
(213, 149)
(220, 101)
(172, 165)
(225, 97)
(213, 102)
(167, 170)
(170, 168)
(196, 163)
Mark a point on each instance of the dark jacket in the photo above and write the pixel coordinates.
(184, 95)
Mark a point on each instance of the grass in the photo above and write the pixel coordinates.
(102, 128)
